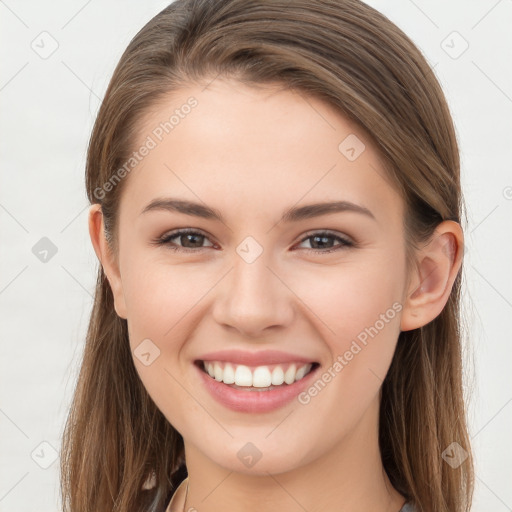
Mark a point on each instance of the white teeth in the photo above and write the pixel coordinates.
(243, 376)
(277, 376)
(261, 377)
(229, 374)
(217, 372)
(289, 376)
(300, 373)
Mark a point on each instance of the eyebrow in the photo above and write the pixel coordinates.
(293, 214)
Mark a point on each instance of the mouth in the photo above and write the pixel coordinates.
(256, 379)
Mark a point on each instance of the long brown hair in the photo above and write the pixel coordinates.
(351, 56)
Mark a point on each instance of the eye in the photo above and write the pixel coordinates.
(321, 239)
(191, 240)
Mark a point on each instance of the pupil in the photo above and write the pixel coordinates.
(320, 238)
(191, 235)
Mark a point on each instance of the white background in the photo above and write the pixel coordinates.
(47, 110)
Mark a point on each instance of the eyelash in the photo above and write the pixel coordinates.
(165, 240)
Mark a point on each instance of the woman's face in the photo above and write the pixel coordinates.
(252, 281)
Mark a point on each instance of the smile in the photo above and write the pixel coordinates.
(268, 376)
(255, 389)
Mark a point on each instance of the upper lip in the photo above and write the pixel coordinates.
(260, 358)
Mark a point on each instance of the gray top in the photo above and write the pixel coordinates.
(408, 507)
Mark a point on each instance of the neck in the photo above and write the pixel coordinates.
(348, 477)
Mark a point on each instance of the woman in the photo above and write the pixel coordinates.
(276, 209)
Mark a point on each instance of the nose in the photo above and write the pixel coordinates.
(253, 298)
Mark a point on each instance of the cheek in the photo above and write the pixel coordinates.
(160, 305)
(353, 296)
(160, 295)
(357, 311)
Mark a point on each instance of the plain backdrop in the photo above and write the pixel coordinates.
(56, 60)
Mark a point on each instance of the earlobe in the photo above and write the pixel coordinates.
(439, 262)
(106, 258)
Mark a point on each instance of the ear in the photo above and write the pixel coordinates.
(107, 260)
(439, 261)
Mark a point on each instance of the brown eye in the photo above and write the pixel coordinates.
(189, 240)
(321, 242)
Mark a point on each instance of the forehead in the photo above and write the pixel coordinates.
(253, 150)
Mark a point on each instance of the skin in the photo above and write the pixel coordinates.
(252, 153)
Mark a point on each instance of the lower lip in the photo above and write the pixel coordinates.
(255, 401)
